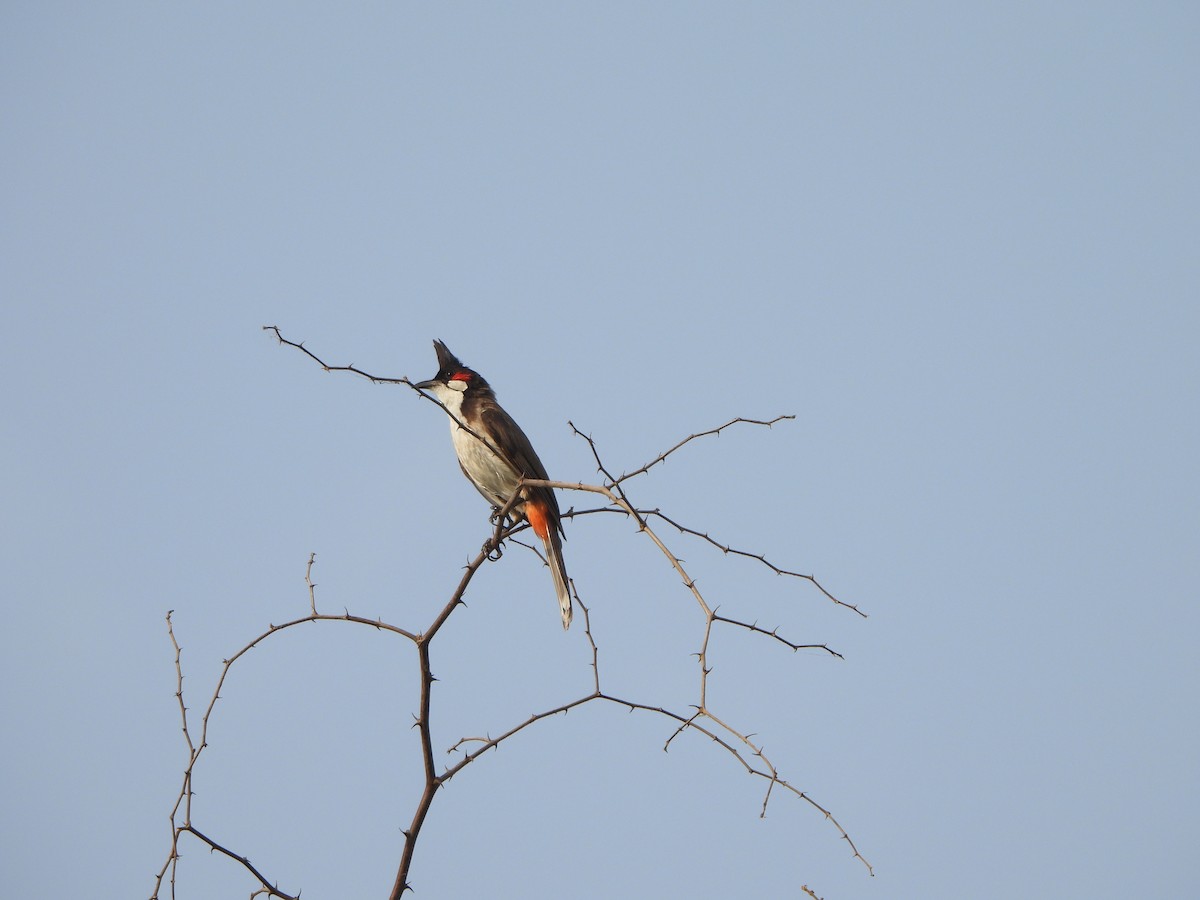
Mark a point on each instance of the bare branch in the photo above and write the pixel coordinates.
(486, 744)
(595, 454)
(183, 801)
(774, 633)
(312, 588)
(267, 888)
(375, 379)
(179, 681)
(172, 860)
(691, 437)
(433, 781)
(724, 548)
(587, 630)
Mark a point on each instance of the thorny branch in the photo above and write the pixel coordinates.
(691, 437)
(376, 379)
(331, 368)
(726, 549)
(702, 720)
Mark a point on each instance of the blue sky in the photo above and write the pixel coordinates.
(958, 242)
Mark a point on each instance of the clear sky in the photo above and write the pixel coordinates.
(958, 241)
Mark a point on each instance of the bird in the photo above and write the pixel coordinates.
(494, 453)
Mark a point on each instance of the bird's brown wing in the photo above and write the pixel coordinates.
(518, 452)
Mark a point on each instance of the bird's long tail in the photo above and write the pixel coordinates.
(558, 572)
(547, 530)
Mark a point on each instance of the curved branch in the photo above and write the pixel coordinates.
(662, 457)
(374, 379)
(267, 888)
(761, 557)
(377, 379)
(774, 633)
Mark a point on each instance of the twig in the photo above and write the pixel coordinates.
(328, 367)
(662, 457)
(267, 888)
(774, 633)
(724, 548)
(377, 379)
(312, 588)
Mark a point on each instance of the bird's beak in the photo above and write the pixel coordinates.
(426, 385)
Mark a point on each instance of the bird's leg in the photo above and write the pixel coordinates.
(504, 518)
(495, 545)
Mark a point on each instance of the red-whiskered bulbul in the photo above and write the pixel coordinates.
(497, 456)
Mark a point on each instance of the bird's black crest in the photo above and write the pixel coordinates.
(446, 359)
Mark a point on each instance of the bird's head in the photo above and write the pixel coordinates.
(452, 378)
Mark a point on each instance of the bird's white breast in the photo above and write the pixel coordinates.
(490, 474)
